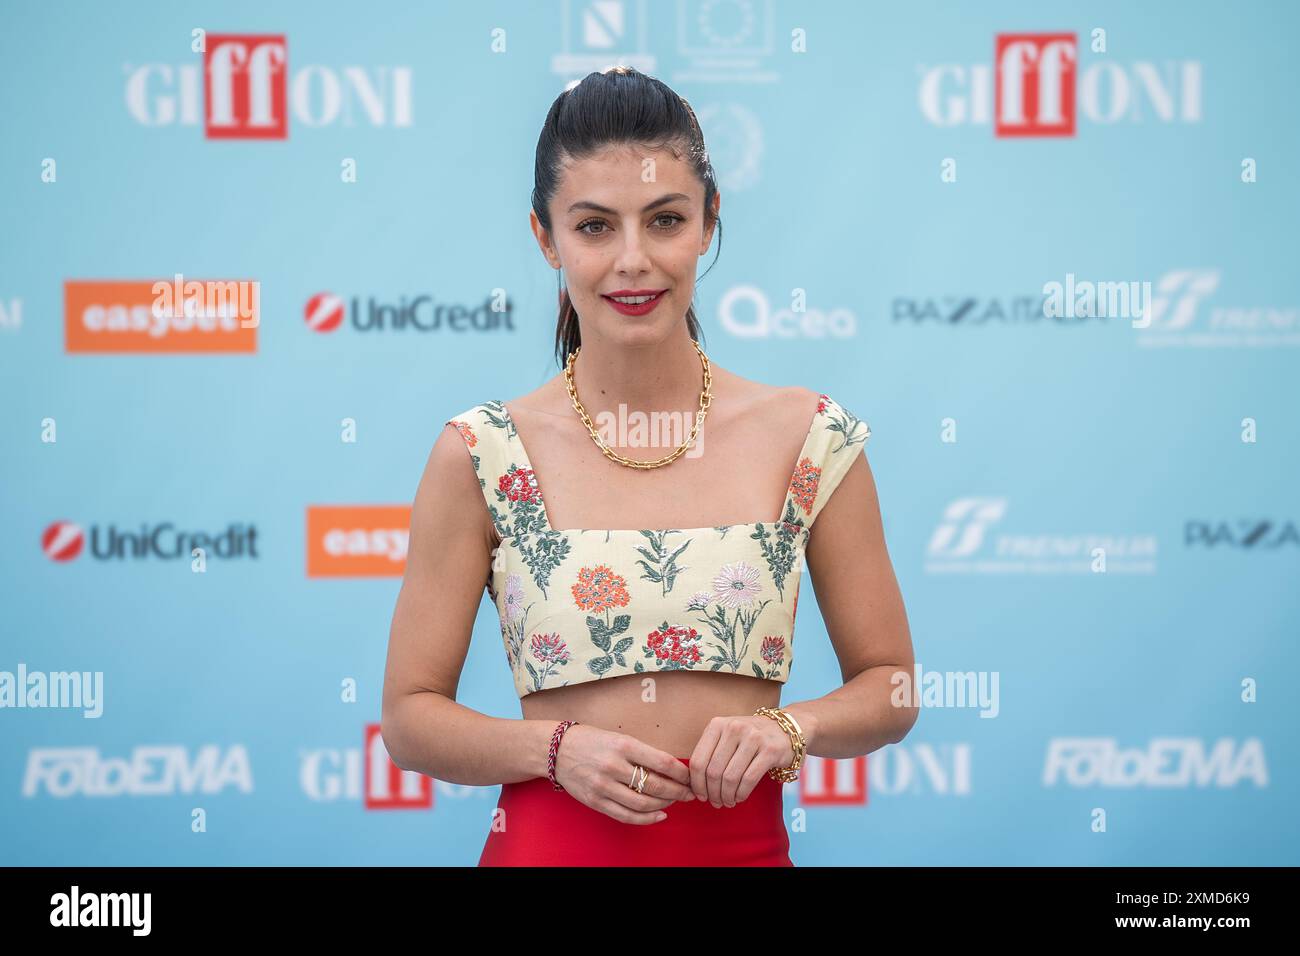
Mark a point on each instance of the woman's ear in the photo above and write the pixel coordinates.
(708, 231)
(543, 240)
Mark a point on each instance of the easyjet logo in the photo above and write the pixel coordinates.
(148, 316)
(354, 541)
(248, 91)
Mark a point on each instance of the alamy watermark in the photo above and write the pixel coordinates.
(70, 689)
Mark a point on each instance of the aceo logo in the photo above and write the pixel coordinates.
(354, 541)
(143, 316)
(1037, 89)
(249, 93)
(746, 313)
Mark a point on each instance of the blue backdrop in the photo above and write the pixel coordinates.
(1094, 512)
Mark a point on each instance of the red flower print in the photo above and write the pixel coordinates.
(466, 433)
(519, 484)
(672, 647)
(803, 485)
(774, 650)
(599, 589)
(821, 403)
(549, 649)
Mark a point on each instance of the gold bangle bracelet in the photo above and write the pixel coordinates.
(798, 743)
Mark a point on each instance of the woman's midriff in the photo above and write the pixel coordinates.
(668, 710)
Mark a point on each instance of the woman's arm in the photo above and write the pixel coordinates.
(858, 594)
(447, 565)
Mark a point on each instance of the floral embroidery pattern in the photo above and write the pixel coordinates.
(660, 566)
(620, 587)
(513, 618)
(735, 587)
(803, 484)
(549, 650)
(773, 652)
(466, 432)
(599, 590)
(779, 551)
(673, 647)
(845, 425)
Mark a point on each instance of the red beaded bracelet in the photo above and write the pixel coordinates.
(555, 749)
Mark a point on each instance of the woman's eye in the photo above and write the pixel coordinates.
(663, 221)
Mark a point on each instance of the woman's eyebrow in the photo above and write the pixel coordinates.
(588, 204)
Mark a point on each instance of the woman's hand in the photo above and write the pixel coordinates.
(732, 756)
(595, 766)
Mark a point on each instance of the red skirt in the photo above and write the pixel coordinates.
(549, 827)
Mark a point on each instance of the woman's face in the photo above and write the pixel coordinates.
(627, 221)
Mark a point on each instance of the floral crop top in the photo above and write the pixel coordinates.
(584, 605)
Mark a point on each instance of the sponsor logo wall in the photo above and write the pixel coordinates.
(253, 263)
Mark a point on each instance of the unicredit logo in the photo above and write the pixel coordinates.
(65, 540)
(62, 541)
(326, 312)
(248, 90)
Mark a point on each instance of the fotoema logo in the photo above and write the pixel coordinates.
(151, 771)
(248, 91)
(1035, 85)
(1176, 762)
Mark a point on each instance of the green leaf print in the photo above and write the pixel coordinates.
(602, 635)
(779, 551)
(659, 563)
(846, 426)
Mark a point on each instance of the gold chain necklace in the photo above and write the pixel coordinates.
(706, 398)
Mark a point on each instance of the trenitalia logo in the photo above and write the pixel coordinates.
(357, 541)
(325, 312)
(249, 92)
(1037, 88)
(65, 540)
(966, 542)
(1178, 318)
(144, 316)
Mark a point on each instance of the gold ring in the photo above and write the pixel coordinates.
(634, 783)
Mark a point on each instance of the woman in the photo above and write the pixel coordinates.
(647, 600)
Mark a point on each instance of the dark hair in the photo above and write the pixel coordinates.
(619, 106)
